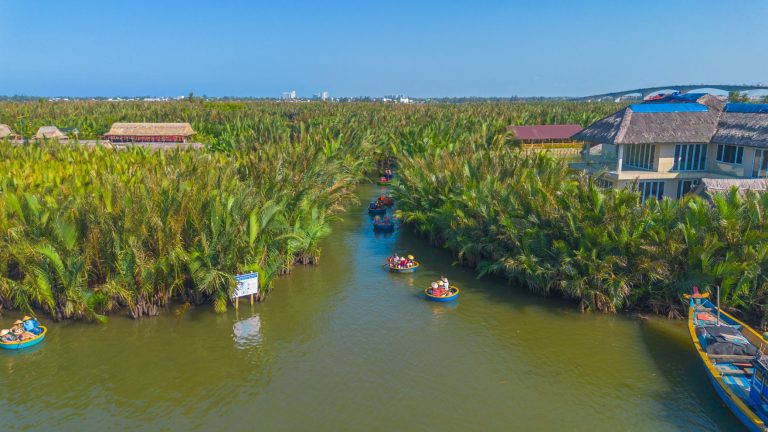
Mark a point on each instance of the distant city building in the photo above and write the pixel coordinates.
(324, 95)
(289, 95)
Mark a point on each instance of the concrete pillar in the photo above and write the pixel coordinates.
(619, 157)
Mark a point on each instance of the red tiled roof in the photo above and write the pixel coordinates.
(545, 132)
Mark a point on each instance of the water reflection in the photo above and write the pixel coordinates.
(247, 332)
(383, 235)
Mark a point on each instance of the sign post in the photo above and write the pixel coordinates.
(247, 284)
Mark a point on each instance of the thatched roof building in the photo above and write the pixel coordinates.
(6, 132)
(50, 132)
(150, 132)
(685, 119)
(743, 124)
(709, 187)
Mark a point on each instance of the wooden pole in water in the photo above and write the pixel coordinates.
(718, 305)
(237, 302)
(251, 299)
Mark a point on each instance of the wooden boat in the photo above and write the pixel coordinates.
(454, 295)
(384, 227)
(394, 269)
(27, 343)
(377, 211)
(734, 364)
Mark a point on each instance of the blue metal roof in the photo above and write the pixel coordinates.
(747, 108)
(668, 107)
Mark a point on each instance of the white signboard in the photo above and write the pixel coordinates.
(247, 284)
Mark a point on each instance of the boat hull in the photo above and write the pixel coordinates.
(380, 211)
(745, 414)
(384, 228)
(405, 270)
(382, 183)
(26, 344)
(450, 298)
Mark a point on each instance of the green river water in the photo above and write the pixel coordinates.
(348, 346)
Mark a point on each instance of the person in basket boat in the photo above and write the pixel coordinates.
(377, 205)
(22, 330)
(383, 201)
(438, 289)
(399, 262)
(388, 174)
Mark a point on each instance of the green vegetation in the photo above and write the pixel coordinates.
(86, 231)
(538, 223)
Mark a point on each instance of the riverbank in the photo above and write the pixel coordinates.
(534, 221)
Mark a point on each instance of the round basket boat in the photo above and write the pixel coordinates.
(406, 269)
(453, 296)
(378, 211)
(382, 227)
(382, 182)
(17, 345)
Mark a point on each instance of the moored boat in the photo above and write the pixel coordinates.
(734, 364)
(454, 294)
(396, 269)
(17, 345)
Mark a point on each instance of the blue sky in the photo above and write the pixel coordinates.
(418, 48)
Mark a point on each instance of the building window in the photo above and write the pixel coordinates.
(603, 183)
(730, 154)
(690, 157)
(760, 164)
(640, 156)
(649, 189)
(686, 186)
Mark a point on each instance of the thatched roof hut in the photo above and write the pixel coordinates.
(150, 132)
(709, 187)
(6, 132)
(50, 132)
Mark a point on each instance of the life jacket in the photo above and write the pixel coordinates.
(31, 324)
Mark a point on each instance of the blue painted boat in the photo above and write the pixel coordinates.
(27, 343)
(377, 211)
(732, 361)
(384, 227)
(454, 295)
(395, 269)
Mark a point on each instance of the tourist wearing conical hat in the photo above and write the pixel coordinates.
(7, 336)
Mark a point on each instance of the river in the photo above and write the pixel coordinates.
(348, 346)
